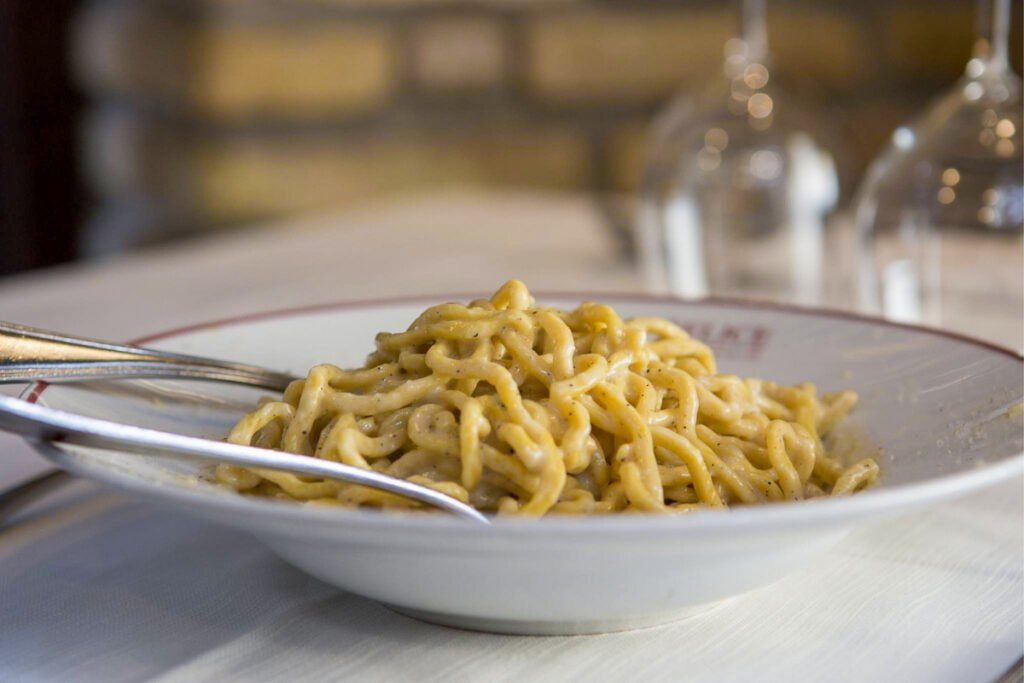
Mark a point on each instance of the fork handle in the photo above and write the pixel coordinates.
(28, 354)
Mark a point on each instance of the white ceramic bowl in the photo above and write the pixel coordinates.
(946, 411)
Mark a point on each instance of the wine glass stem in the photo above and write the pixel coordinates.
(753, 28)
(993, 19)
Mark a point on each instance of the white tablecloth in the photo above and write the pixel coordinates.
(96, 587)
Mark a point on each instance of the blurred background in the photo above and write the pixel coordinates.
(126, 123)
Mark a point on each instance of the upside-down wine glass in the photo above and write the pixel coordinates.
(939, 214)
(737, 187)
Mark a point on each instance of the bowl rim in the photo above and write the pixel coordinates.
(804, 513)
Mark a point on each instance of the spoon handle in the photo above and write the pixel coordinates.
(40, 423)
(29, 355)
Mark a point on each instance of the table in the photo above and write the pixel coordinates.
(90, 581)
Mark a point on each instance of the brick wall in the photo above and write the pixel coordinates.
(214, 112)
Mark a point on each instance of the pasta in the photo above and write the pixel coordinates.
(519, 409)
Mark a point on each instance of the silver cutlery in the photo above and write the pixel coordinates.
(28, 355)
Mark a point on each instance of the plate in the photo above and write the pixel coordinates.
(943, 410)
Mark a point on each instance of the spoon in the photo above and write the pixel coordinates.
(28, 355)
